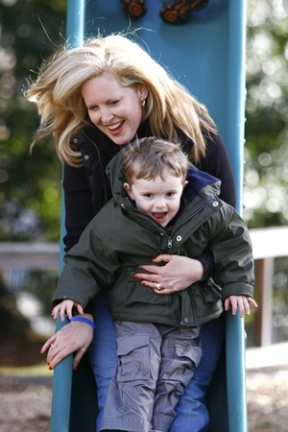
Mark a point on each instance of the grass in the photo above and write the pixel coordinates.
(38, 370)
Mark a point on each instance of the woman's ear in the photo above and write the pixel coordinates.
(143, 92)
(128, 190)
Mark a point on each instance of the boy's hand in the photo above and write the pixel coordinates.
(65, 308)
(243, 302)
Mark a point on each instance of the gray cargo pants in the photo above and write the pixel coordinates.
(155, 365)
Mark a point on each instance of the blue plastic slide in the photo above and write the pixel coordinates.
(207, 54)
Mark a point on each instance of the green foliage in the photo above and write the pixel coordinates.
(29, 184)
(266, 173)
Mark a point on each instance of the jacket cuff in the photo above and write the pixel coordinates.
(207, 262)
(88, 309)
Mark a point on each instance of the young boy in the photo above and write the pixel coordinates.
(160, 205)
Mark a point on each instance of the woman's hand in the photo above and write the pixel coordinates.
(73, 337)
(177, 274)
(242, 302)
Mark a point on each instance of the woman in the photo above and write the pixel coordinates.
(95, 99)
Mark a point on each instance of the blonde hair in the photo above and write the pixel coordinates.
(57, 92)
(150, 157)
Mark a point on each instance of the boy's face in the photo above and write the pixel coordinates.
(158, 198)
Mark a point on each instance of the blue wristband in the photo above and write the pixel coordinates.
(83, 319)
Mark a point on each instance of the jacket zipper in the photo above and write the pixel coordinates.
(177, 226)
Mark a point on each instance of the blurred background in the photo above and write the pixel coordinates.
(30, 184)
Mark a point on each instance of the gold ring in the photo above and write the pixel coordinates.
(158, 286)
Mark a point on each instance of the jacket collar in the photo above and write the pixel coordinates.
(199, 182)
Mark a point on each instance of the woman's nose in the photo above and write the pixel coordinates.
(106, 115)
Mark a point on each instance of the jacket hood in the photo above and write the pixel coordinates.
(199, 182)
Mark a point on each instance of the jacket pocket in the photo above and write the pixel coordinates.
(135, 293)
(210, 291)
(206, 300)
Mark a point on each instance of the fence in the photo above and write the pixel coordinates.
(268, 244)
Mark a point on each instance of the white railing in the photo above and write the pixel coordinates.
(30, 256)
(268, 244)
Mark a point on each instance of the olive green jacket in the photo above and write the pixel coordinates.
(120, 237)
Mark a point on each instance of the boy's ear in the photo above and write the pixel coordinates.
(185, 184)
(128, 190)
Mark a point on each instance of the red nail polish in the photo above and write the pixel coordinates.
(75, 368)
(50, 368)
(136, 277)
(143, 283)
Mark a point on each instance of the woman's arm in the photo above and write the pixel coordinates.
(75, 336)
(78, 206)
(217, 163)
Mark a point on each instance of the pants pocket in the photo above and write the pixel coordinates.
(134, 358)
(182, 356)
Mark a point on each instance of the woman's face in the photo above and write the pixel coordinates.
(116, 110)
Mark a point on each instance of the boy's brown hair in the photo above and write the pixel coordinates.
(150, 157)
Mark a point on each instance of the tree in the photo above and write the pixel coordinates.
(266, 172)
(30, 191)
(29, 185)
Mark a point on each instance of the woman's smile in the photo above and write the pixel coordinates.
(114, 109)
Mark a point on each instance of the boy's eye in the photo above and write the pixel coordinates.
(115, 102)
(170, 194)
(147, 195)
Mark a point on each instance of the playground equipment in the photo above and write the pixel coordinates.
(207, 54)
